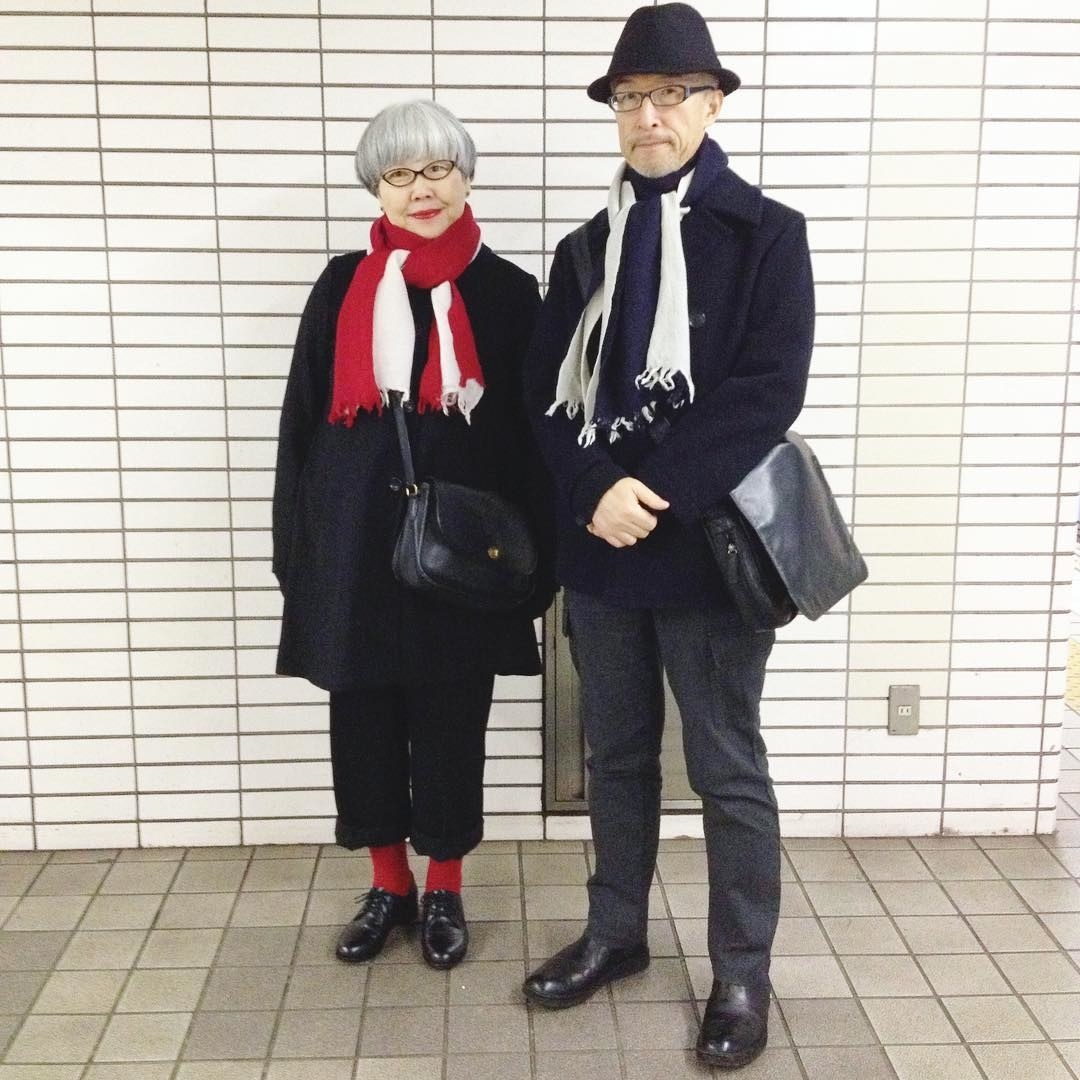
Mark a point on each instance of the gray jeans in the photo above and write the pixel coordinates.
(716, 667)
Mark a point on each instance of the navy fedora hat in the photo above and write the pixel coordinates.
(669, 39)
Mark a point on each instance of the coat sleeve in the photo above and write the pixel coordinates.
(581, 474)
(300, 413)
(726, 432)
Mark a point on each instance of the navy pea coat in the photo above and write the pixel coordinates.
(751, 311)
(338, 502)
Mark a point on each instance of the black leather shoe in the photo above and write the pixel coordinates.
(576, 972)
(380, 912)
(735, 1027)
(444, 936)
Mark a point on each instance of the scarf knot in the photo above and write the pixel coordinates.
(642, 367)
(375, 338)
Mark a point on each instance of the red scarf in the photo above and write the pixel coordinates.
(430, 263)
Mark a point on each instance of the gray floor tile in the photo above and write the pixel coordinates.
(279, 875)
(808, 977)
(830, 865)
(1065, 928)
(222, 875)
(493, 982)
(47, 913)
(885, 976)
(78, 879)
(556, 902)
(1070, 1051)
(937, 934)
(19, 988)
(143, 1037)
(663, 980)
(1035, 862)
(794, 937)
(496, 941)
(244, 989)
(1007, 1062)
(793, 901)
(985, 897)
(400, 984)
(31, 950)
(829, 1063)
(241, 853)
(663, 1065)
(682, 866)
(578, 1065)
(1059, 1014)
(962, 865)
(587, 1027)
(688, 900)
(352, 874)
(914, 898)
(776, 1063)
(140, 877)
(504, 870)
(843, 898)
(489, 1067)
(7, 906)
(121, 1070)
(47, 1039)
(904, 865)
(190, 911)
(225, 1036)
(992, 1019)
(909, 1021)
(321, 1069)
(41, 1072)
(134, 912)
(1035, 973)
(162, 990)
(933, 1063)
(487, 1029)
(74, 992)
(269, 909)
(1057, 894)
(399, 1068)
(338, 987)
(94, 950)
(656, 1026)
(865, 934)
(501, 903)
(16, 878)
(332, 907)
(180, 948)
(1015, 933)
(693, 936)
(402, 1031)
(220, 1070)
(826, 1022)
(269, 946)
(963, 975)
(317, 1033)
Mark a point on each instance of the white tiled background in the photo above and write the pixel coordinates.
(174, 174)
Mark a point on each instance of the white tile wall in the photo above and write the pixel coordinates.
(174, 174)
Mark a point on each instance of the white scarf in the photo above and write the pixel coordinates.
(669, 343)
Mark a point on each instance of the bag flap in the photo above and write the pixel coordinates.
(788, 502)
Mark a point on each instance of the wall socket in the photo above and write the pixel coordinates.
(903, 709)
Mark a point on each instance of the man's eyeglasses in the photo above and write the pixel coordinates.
(433, 170)
(663, 97)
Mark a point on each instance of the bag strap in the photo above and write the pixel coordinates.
(403, 442)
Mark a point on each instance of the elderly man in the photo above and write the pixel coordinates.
(671, 355)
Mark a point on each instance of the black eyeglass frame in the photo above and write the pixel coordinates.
(687, 91)
(414, 173)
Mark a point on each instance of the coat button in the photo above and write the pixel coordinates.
(697, 319)
(395, 484)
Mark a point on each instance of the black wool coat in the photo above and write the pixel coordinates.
(338, 502)
(751, 312)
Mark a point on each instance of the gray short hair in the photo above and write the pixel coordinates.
(417, 130)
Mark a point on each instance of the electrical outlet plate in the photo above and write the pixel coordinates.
(903, 709)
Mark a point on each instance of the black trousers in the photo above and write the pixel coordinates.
(716, 667)
(408, 764)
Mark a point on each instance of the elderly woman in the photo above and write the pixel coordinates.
(432, 313)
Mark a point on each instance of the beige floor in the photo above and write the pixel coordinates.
(930, 959)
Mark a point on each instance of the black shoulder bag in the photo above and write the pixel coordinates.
(460, 545)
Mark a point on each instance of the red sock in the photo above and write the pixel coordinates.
(444, 875)
(391, 869)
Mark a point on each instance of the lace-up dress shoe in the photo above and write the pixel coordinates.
(444, 936)
(735, 1027)
(578, 971)
(379, 913)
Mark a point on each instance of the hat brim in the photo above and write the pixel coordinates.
(600, 89)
